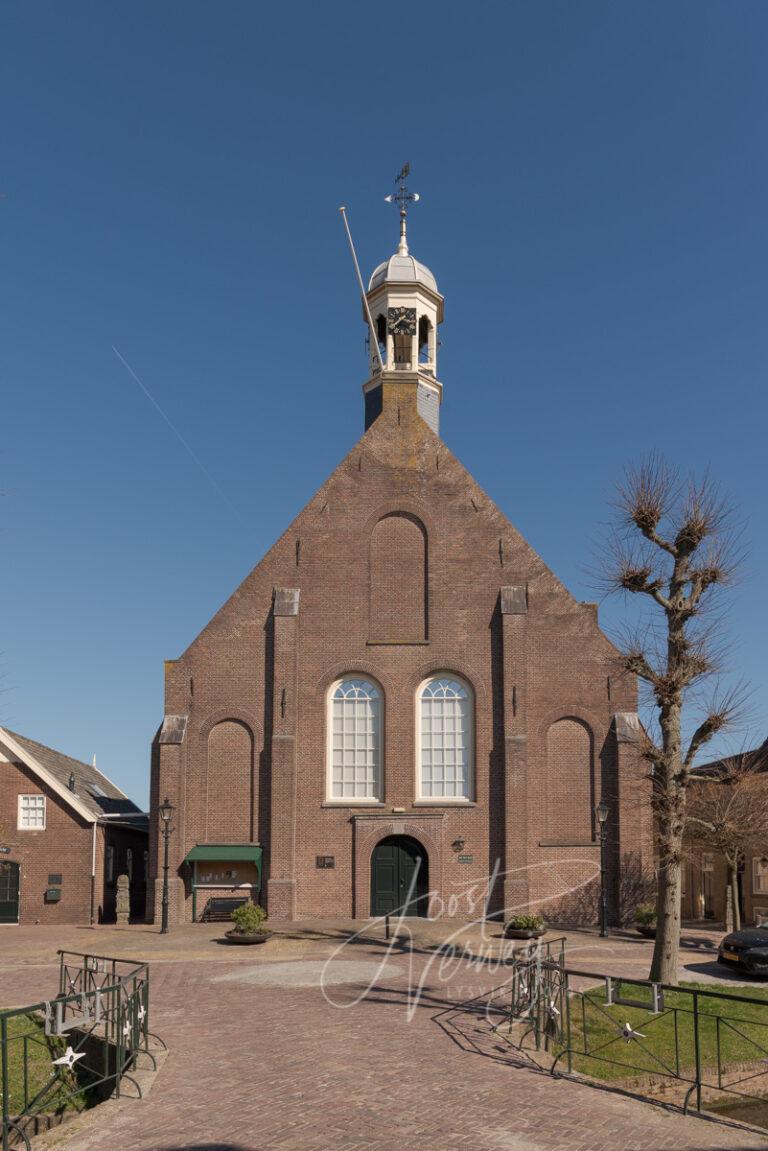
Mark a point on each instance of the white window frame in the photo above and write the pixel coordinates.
(759, 876)
(20, 825)
(447, 800)
(378, 781)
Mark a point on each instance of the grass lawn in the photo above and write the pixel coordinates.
(26, 1037)
(729, 1033)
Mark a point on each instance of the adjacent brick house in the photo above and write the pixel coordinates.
(705, 875)
(66, 833)
(401, 694)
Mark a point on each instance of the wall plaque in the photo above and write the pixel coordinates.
(466, 859)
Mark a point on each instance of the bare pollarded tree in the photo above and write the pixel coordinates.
(727, 811)
(674, 548)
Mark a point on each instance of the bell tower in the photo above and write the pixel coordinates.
(406, 308)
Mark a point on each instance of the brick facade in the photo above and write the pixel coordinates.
(401, 567)
(60, 857)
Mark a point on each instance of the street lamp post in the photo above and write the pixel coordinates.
(602, 812)
(166, 812)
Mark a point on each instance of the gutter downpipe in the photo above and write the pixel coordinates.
(93, 871)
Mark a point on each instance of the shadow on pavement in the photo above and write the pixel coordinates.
(207, 1147)
(723, 974)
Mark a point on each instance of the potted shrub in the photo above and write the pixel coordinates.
(645, 920)
(524, 927)
(248, 919)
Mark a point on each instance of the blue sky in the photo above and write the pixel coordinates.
(594, 188)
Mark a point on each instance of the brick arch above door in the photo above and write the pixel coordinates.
(368, 830)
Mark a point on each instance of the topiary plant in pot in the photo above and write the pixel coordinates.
(249, 924)
(645, 920)
(524, 927)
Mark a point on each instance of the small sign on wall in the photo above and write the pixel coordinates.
(325, 861)
(466, 859)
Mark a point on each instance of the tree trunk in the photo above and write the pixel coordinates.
(728, 907)
(733, 883)
(667, 946)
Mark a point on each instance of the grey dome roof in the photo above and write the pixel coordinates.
(402, 269)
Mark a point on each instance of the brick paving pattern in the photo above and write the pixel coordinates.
(277, 1068)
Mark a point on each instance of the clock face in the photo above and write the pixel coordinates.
(401, 321)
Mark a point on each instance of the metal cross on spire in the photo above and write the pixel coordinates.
(402, 197)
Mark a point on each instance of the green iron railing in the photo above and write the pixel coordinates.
(56, 1054)
(642, 1036)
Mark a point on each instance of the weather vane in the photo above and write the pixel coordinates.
(402, 197)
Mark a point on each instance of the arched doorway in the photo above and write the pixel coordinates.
(9, 892)
(399, 877)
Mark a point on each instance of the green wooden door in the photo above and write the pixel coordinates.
(399, 881)
(9, 892)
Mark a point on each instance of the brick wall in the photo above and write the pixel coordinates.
(532, 655)
(63, 848)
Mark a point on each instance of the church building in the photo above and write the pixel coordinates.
(401, 705)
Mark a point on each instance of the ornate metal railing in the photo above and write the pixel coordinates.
(707, 1049)
(57, 1054)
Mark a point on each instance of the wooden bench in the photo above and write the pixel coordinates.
(220, 907)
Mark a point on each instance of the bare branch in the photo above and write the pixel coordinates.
(634, 569)
(673, 546)
(728, 811)
(726, 710)
(636, 662)
(702, 514)
(647, 496)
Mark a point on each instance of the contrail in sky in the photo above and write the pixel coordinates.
(177, 433)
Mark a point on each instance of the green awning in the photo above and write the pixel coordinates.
(223, 852)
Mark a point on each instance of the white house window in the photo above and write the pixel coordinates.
(355, 753)
(31, 812)
(445, 740)
(760, 876)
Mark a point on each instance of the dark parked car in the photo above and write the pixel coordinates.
(747, 949)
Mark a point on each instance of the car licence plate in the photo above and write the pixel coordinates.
(731, 955)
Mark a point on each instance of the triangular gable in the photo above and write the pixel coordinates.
(29, 760)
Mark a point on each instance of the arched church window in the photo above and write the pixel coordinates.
(355, 741)
(445, 707)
